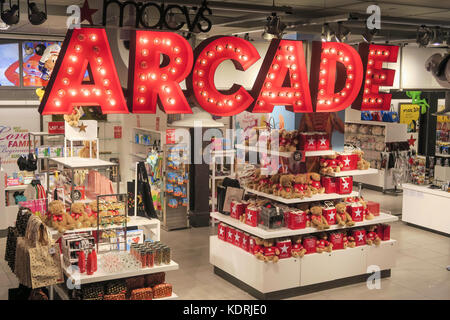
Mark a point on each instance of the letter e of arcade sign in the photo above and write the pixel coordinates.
(338, 75)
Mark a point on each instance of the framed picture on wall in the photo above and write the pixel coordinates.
(10, 66)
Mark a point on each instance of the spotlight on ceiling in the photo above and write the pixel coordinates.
(36, 16)
(424, 35)
(342, 33)
(368, 34)
(438, 37)
(12, 15)
(327, 33)
(3, 25)
(274, 27)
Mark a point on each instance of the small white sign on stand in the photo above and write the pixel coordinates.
(85, 131)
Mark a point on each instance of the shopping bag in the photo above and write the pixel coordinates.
(11, 243)
(38, 261)
(366, 115)
(232, 194)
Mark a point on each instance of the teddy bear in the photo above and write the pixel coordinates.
(342, 216)
(74, 117)
(323, 244)
(351, 243)
(283, 140)
(367, 214)
(361, 164)
(85, 152)
(314, 183)
(270, 252)
(292, 141)
(297, 250)
(258, 248)
(301, 187)
(286, 190)
(317, 220)
(80, 216)
(372, 237)
(329, 164)
(58, 218)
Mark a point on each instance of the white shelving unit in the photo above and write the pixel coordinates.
(286, 232)
(316, 197)
(223, 154)
(285, 154)
(353, 173)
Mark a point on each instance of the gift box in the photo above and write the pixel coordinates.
(309, 243)
(230, 234)
(252, 216)
(360, 237)
(322, 141)
(237, 209)
(373, 207)
(238, 235)
(245, 243)
(296, 219)
(344, 185)
(337, 239)
(271, 217)
(307, 141)
(284, 246)
(349, 161)
(329, 184)
(222, 231)
(384, 232)
(329, 213)
(356, 211)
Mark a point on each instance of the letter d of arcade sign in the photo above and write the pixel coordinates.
(84, 49)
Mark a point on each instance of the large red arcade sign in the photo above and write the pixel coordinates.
(339, 75)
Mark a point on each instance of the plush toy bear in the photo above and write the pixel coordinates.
(258, 248)
(317, 220)
(351, 243)
(361, 164)
(367, 214)
(372, 237)
(291, 141)
(314, 183)
(80, 216)
(329, 164)
(283, 140)
(297, 250)
(91, 211)
(286, 184)
(323, 244)
(270, 252)
(85, 152)
(342, 216)
(73, 117)
(58, 218)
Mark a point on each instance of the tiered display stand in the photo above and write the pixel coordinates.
(296, 276)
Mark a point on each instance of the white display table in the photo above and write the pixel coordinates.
(425, 207)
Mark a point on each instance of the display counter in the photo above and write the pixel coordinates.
(426, 207)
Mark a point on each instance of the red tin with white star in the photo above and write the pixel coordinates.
(329, 183)
(230, 234)
(222, 231)
(237, 209)
(349, 161)
(337, 239)
(285, 247)
(329, 212)
(238, 235)
(360, 237)
(344, 185)
(309, 243)
(322, 141)
(308, 141)
(252, 216)
(296, 219)
(374, 208)
(384, 232)
(356, 210)
(245, 243)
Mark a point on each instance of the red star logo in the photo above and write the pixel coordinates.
(411, 141)
(86, 13)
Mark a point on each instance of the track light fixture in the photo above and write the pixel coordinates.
(36, 16)
(424, 35)
(368, 34)
(274, 27)
(437, 38)
(327, 33)
(12, 15)
(342, 33)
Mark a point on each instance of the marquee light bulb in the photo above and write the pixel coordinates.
(102, 71)
(112, 102)
(69, 70)
(152, 76)
(65, 81)
(167, 89)
(176, 49)
(238, 97)
(219, 48)
(164, 76)
(99, 60)
(275, 67)
(73, 93)
(77, 48)
(141, 100)
(73, 58)
(144, 52)
(141, 89)
(156, 41)
(178, 60)
(142, 77)
(93, 37)
(106, 82)
(57, 103)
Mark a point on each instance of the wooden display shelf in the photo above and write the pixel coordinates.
(316, 197)
(286, 232)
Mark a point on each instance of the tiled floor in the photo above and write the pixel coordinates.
(420, 272)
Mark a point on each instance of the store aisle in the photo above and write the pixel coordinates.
(420, 272)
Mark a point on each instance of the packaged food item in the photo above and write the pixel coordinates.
(142, 294)
(119, 296)
(166, 255)
(135, 283)
(150, 253)
(162, 290)
(153, 279)
(115, 287)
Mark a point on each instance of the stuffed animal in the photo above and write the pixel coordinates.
(342, 216)
(73, 117)
(361, 164)
(80, 216)
(85, 152)
(367, 214)
(330, 164)
(286, 184)
(314, 183)
(270, 252)
(58, 218)
(323, 244)
(351, 243)
(258, 248)
(297, 250)
(317, 220)
(372, 237)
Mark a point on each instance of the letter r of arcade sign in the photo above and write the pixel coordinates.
(339, 77)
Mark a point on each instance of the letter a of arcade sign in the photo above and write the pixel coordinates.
(339, 75)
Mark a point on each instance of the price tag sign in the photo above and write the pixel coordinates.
(299, 156)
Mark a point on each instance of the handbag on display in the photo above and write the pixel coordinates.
(221, 193)
(232, 194)
(38, 261)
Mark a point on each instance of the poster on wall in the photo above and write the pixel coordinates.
(409, 115)
(9, 64)
(39, 58)
(14, 128)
